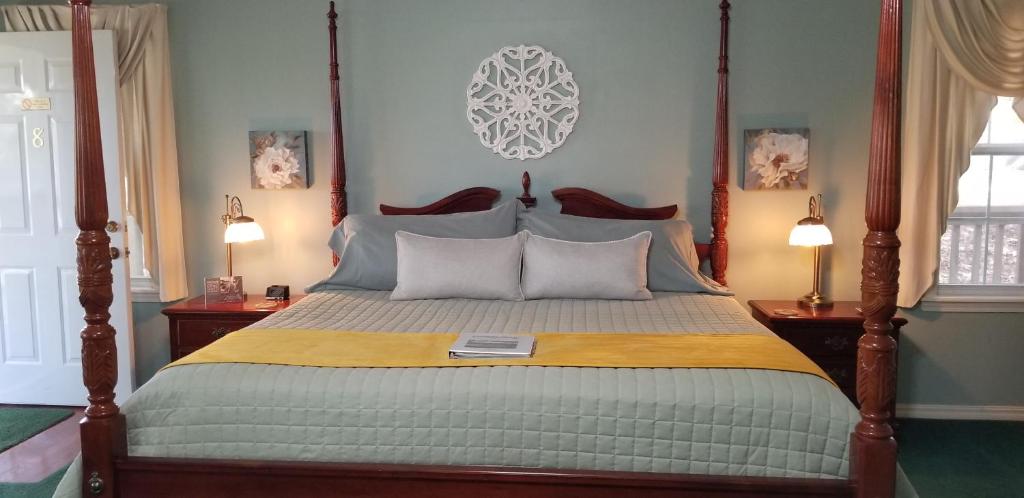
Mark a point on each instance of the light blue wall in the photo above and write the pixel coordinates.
(646, 70)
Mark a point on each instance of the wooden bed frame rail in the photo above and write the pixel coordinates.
(107, 471)
(173, 478)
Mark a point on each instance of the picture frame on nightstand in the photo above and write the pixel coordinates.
(220, 290)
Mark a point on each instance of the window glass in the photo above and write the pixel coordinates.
(1004, 126)
(973, 190)
(1007, 184)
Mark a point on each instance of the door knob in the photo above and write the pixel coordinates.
(113, 226)
(115, 253)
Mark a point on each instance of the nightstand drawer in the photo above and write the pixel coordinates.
(841, 370)
(196, 333)
(823, 340)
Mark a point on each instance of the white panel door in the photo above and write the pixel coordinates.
(40, 317)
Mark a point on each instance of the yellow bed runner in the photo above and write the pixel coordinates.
(337, 348)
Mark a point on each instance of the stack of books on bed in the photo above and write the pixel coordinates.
(476, 346)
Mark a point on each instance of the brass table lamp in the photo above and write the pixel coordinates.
(812, 232)
(239, 227)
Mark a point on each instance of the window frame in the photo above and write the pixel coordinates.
(145, 290)
(979, 298)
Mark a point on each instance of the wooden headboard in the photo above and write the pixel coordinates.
(463, 201)
(576, 201)
(579, 201)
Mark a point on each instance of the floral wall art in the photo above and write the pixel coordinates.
(776, 159)
(278, 160)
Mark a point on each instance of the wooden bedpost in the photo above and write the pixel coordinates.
(102, 429)
(720, 166)
(339, 199)
(873, 449)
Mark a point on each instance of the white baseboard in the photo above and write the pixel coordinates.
(961, 412)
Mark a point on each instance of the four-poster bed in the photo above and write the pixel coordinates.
(108, 470)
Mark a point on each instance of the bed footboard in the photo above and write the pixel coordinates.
(162, 477)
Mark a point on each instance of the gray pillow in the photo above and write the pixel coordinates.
(440, 268)
(672, 263)
(366, 242)
(586, 270)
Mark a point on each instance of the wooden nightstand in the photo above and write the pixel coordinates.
(827, 337)
(195, 324)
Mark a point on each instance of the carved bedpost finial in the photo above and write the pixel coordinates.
(873, 449)
(332, 28)
(526, 198)
(723, 49)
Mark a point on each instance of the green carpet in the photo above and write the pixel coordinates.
(41, 489)
(20, 423)
(956, 458)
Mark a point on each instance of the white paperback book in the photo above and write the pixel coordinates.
(492, 346)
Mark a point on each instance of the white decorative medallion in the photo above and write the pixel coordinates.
(522, 102)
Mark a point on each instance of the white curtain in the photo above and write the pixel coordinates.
(145, 122)
(963, 53)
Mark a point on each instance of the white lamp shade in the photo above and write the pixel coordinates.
(243, 232)
(810, 236)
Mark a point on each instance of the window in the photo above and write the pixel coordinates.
(980, 253)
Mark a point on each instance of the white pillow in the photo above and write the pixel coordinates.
(586, 270)
(438, 268)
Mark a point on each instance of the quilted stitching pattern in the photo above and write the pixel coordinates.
(703, 421)
(372, 311)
